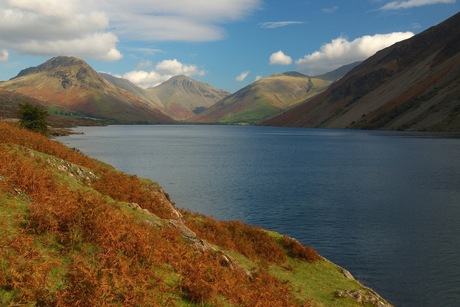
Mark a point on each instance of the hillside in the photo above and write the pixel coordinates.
(263, 99)
(67, 85)
(183, 97)
(139, 92)
(339, 72)
(412, 85)
(77, 232)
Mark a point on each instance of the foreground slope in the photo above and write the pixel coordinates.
(77, 232)
(412, 85)
(68, 84)
(263, 99)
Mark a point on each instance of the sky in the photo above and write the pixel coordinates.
(226, 43)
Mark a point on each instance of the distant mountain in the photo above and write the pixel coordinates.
(411, 85)
(339, 72)
(263, 99)
(68, 85)
(141, 93)
(183, 97)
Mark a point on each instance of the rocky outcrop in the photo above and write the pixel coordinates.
(364, 297)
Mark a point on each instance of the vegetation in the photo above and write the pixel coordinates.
(33, 117)
(77, 232)
(252, 114)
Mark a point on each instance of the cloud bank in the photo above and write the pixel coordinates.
(340, 52)
(47, 27)
(89, 28)
(280, 58)
(406, 4)
(175, 20)
(162, 71)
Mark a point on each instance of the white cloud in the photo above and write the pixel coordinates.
(147, 51)
(330, 10)
(217, 10)
(175, 67)
(258, 77)
(162, 71)
(4, 55)
(280, 58)
(278, 24)
(97, 46)
(56, 27)
(242, 76)
(405, 4)
(340, 52)
(47, 27)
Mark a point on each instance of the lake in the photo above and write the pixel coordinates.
(384, 205)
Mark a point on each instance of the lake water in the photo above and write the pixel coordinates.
(384, 205)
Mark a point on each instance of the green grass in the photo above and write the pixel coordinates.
(251, 115)
(49, 256)
(12, 207)
(316, 282)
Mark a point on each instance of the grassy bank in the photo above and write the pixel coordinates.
(77, 232)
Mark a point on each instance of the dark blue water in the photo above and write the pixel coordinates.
(384, 205)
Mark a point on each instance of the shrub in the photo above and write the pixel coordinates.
(73, 246)
(299, 251)
(33, 117)
(253, 242)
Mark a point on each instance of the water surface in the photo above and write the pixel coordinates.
(384, 205)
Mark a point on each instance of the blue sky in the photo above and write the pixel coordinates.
(226, 43)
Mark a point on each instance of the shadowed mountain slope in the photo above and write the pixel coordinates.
(411, 85)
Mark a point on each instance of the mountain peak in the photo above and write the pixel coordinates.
(53, 64)
(183, 96)
(69, 84)
(290, 74)
(181, 80)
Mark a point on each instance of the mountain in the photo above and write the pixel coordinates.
(68, 85)
(183, 97)
(339, 72)
(263, 99)
(411, 85)
(139, 92)
(78, 232)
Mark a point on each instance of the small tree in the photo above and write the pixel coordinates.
(33, 117)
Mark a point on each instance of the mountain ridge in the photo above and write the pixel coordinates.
(411, 85)
(69, 84)
(183, 97)
(263, 98)
(140, 92)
